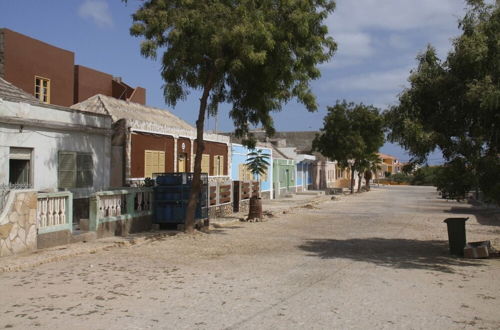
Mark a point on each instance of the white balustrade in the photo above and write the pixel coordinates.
(110, 206)
(51, 211)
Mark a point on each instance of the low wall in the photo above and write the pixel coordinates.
(265, 194)
(124, 227)
(18, 223)
(121, 212)
(220, 210)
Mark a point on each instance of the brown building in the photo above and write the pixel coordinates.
(50, 74)
(148, 140)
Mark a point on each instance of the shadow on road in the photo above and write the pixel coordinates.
(487, 217)
(395, 253)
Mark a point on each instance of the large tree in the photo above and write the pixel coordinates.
(351, 135)
(454, 105)
(253, 54)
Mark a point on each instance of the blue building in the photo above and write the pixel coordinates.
(240, 172)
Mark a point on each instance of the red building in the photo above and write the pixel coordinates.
(50, 74)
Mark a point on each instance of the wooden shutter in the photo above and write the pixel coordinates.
(216, 165)
(67, 169)
(84, 170)
(221, 165)
(241, 172)
(160, 167)
(154, 162)
(205, 163)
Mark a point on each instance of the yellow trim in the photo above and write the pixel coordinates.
(40, 95)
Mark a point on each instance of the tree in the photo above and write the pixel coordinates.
(257, 163)
(255, 55)
(371, 165)
(454, 105)
(351, 134)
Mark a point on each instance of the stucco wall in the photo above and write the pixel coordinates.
(239, 155)
(46, 143)
(18, 223)
(26, 58)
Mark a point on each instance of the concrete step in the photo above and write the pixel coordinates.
(311, 193)
(83, 236)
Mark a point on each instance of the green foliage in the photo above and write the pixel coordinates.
(454, 180)
(401, 178)
(425, 176)
(454, 105)
(258, 162)
(259, 54)
(351, 133)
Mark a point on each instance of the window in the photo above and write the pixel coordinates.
(154, 162)
(218, 165)
(244, 173)
(20, 166)
(205, 163)
(42, 89)
(76, 170)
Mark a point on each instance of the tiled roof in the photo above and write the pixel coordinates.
(12, 93)
(119, 109)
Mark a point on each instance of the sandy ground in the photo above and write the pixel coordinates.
(376, 260)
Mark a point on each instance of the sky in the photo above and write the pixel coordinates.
(378, 41)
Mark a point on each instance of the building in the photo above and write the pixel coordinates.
(50, 148)
(148, 140)
(390, 165)
(284, 173)
(240, 172)
(49, 73)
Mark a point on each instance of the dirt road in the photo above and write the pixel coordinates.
(375, 260)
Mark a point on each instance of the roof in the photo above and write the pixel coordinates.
(12, 93)
(278, 154)
(385, 156)
(120, 109)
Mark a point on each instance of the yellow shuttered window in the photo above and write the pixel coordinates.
(154, 162)
(205, 163)
(218, 165)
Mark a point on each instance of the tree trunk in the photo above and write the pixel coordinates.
(189, 221)
(368, 176)
(352, 179)
(360, 177)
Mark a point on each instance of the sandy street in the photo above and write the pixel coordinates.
(371, 261)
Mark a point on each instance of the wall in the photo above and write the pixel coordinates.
(239, 155)
(89, 82)
(187, 151)
(141, 142)
(215, 149)
(26, 58)
(18, 223)
(282, 183)
(78, 131)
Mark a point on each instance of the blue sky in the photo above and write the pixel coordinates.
(377, 44)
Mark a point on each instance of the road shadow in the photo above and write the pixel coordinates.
(484, 216)
(393, 253)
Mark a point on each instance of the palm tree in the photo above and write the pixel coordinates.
(373, 167)
(257, 162)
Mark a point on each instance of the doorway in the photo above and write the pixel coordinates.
(181, 162)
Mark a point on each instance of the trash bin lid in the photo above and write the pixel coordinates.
(447, 220)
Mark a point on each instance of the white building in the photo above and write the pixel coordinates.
(51, 148)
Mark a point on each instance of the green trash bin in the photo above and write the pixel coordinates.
(456, 235)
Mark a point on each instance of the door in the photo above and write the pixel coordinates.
(181, 162)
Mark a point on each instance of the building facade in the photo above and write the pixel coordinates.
(49, 73)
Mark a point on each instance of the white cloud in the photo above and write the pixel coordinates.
(97, 11)
(394, 15)
(381, 81)
(354, 44)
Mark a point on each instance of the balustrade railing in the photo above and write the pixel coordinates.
(54, 212)
(119, 204)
